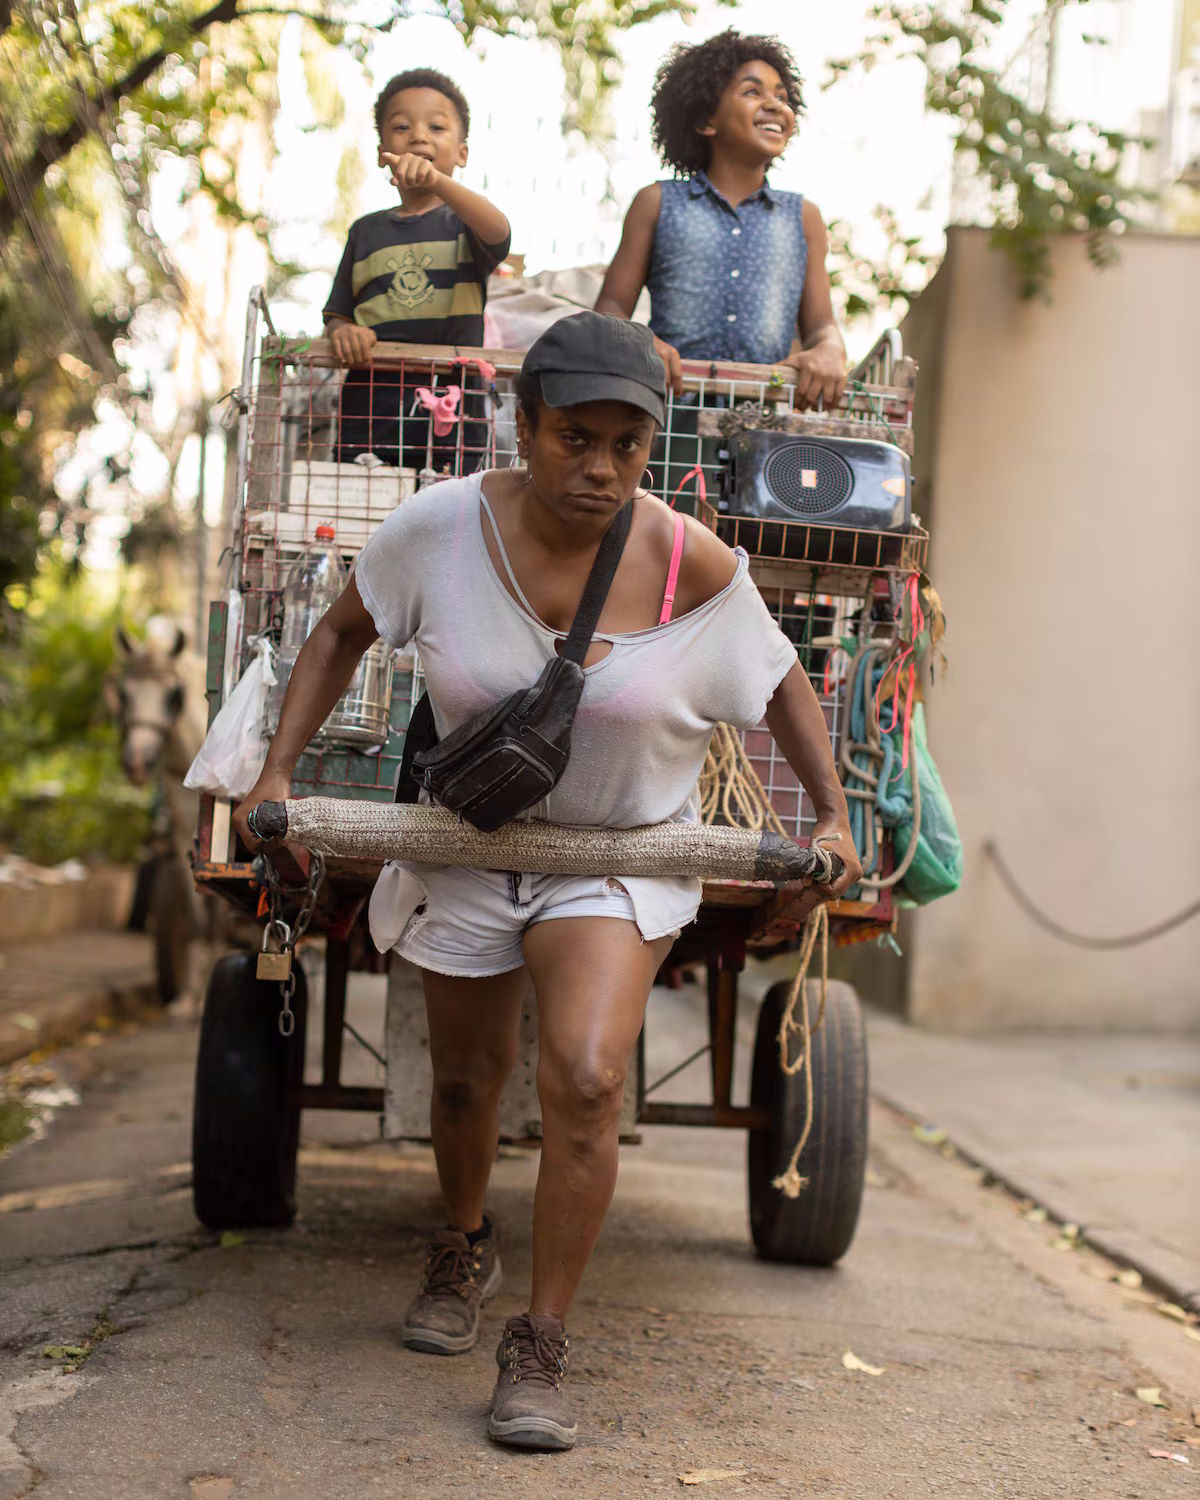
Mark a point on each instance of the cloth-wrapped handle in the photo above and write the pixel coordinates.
(342, 828)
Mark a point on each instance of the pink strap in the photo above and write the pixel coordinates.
(673, 571)
(696, 473)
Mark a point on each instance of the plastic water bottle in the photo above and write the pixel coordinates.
(314, 581)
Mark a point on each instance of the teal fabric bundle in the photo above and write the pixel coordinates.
(936, 868)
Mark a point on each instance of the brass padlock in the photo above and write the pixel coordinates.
(273, 966)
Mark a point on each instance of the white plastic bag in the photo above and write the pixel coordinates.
(235, 747)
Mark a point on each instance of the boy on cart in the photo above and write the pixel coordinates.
(415, 274)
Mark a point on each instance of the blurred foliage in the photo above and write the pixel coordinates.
(99, 96)
(894, 277)
(166, 78)
(41, 399)
(584, 31)
(63, 794)
(1041, 176)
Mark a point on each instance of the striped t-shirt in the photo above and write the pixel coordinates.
(415, 280)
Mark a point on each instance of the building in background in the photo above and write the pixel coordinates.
(1055, 467)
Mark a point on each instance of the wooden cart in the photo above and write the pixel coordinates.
(821, 583)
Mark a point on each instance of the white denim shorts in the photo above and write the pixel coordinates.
(471, 923)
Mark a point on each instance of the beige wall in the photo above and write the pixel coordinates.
(1059, 468)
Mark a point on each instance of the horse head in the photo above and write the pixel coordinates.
(147, 695)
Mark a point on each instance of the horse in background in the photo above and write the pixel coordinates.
(156, 695)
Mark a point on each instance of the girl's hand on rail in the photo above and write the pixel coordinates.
(352, 344)
(670, 357)
(820, 375)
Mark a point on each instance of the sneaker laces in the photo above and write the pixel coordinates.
(449, 1268)
(537, 1357)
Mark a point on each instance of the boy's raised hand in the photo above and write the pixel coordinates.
(352, 343)
(409, 171)
(820, 374)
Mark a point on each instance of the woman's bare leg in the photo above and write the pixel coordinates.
(592, 976)
(473, 1027)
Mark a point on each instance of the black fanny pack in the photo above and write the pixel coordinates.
(506, 759)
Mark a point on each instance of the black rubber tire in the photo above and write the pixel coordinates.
(816, 1228)
(246, 1115)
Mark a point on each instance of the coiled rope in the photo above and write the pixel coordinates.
(867, 757)
(731, 788)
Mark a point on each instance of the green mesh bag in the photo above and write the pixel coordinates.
(936, 869)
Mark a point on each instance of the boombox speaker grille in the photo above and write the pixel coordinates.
(808, 480)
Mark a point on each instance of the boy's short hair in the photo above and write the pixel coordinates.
(689, 84)
(424, 78)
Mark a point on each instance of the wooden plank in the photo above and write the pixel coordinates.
(214, 668)
(319, 352)
(265, 446)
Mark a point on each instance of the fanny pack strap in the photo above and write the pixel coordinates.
(595, 591)
(421, 734)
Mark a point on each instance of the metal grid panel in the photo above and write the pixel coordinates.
(812, 622)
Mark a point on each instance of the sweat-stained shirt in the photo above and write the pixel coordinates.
(415, 280)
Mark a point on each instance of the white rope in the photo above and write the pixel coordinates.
(730, 785)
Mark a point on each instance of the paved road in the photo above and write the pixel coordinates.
(272, 1367)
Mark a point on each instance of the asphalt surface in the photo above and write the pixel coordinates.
(141, 1356)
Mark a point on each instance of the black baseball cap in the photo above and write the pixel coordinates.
(592, 357)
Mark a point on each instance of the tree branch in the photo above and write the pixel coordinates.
(49, 149)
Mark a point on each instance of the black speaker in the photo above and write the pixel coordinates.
(824, 481)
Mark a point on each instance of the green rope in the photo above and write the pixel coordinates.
(857, 388)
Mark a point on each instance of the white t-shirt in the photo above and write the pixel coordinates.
(648, 707)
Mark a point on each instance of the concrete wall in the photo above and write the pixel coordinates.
(1059, 469)
(101, 900)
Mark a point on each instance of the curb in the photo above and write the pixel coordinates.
(59, 1019)
(1163, 1271)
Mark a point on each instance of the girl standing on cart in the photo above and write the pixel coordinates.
(734, 266)
(485, 575)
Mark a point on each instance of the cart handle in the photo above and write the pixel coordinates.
(348, 829)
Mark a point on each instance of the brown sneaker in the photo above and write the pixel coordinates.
(458, 1280)
(529, 1406)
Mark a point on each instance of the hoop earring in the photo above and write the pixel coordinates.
(520, 469)
(648, 479)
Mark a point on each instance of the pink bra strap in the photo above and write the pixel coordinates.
(673, 571)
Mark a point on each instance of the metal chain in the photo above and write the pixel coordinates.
(289, 935)
(287, 1016)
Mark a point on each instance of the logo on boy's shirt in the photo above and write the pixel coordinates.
(410, 285)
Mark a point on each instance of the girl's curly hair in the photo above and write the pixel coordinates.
(689, 84)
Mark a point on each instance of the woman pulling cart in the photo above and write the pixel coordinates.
(485, 575)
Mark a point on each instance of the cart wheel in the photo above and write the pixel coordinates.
(246, 1119)
(816, 1228)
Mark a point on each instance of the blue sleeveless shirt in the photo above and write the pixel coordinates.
(725, 282)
